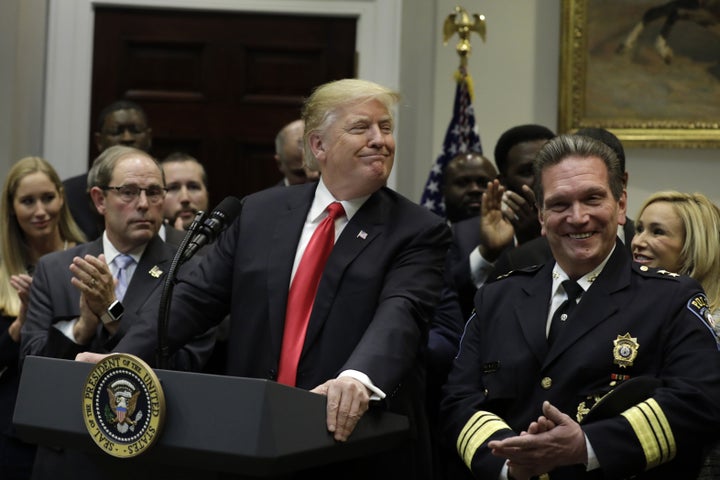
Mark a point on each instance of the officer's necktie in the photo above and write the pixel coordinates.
(563, 312)
(122, 262)
(302, 293)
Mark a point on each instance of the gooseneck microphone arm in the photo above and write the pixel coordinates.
(203, 230)
(163, 349)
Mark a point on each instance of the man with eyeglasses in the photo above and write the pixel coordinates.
(121, 123)
(86, 298)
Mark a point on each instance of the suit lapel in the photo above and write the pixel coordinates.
(283, 244)
(629, 230)
(531, 311)
(149, 273)
(365, 226)
(94, 248)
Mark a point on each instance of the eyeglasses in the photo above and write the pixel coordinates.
(130, 193)
(120, 129)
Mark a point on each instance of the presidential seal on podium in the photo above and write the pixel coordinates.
(123, 405)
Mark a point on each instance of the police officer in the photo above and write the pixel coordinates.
(525, 377)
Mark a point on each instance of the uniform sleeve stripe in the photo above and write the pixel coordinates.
(480, 427)
(653, 432)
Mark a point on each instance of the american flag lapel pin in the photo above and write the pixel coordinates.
(362, 234)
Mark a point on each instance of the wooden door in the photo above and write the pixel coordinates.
(218, 85)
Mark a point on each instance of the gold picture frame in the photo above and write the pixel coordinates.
(613, 75)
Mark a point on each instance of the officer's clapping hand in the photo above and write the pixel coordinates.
(554, 440)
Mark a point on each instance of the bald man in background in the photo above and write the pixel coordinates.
(289, 155)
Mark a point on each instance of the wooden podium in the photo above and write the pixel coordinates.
(214, 424)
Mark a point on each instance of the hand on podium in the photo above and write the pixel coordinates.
(90, 357)
(347, 400)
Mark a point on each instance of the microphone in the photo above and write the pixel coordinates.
(211, 226)
(204, 230)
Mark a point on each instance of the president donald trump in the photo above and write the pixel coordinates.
(351, 325)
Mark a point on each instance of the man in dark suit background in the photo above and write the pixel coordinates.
(75, 304)
(290, 157)
(375, 297)
(464, 181)
(477, 243)
(187, 189)
(537, 251)
(123, 122)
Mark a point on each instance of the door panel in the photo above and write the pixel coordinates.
(218, 85)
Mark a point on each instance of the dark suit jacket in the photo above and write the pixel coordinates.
(466, 237)
(505, 369)
(371, 311)
(53, 298)
(173, 236)
(81, 208)
(537, 252)
(16, 457)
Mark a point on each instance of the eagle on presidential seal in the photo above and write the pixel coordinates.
(123, 397)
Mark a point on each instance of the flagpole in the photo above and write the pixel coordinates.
(460, 136)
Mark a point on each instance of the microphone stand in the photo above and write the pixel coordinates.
(163, 349)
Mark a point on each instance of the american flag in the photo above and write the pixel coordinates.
(460, 137)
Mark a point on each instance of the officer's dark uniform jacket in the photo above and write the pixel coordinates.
(633, 321)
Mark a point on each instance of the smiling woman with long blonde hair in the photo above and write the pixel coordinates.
(680, 232)
(35, 221)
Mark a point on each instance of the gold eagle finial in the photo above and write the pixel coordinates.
(464, 24)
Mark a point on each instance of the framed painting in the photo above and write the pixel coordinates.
(647, 70)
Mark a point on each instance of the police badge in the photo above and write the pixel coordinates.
(625, 350)
(123, 405)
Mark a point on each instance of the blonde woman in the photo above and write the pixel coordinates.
(36, 221)
(680, 232)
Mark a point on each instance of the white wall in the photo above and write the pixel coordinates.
(516, 82)
(8, 42)
(22, 56)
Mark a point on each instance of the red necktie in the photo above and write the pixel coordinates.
(302, 293)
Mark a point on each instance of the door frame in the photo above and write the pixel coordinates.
(69, 58)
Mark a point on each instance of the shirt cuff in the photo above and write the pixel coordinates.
(66, 328)
(479, 268)
(593, 462)
(377, 394)
(504, 471)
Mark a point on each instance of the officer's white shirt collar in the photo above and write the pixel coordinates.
(585, 281)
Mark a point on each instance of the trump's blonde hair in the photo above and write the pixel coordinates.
(320, 108)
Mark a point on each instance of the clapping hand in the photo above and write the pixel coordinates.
(553, 440)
